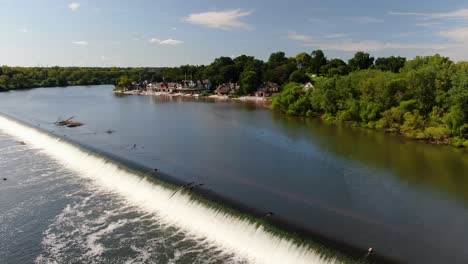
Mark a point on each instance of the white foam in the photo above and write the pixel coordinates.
(234, 234)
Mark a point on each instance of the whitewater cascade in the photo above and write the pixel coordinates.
(231, 232)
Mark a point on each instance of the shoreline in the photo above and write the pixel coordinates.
(266, 102)
(250, 99)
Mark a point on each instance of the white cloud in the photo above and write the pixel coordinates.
(227, 20)
(299, 37)
(459, 35)
(73, 6)
(166, 41)
(364, 20)
(457, 14)
(80, 42)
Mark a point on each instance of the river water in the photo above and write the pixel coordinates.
(406, 199)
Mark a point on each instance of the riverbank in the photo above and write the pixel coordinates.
(265, 101)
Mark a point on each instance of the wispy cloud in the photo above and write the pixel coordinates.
(166, 41)
(80, 42)
(459, 35)
(456, 14)
(226, 20)
(309, 38)
(363, 20)
(338, 35)
(74, 6)
(427, 24)
(318, 20)
(300, 37)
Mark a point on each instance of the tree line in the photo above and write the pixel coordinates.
(424, 98)
(12, 78)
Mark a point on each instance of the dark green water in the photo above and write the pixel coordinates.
(406, 199)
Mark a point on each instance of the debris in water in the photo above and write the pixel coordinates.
(110, 131)
(21, 142)
(193, 187)
(5, 179)
(68, 123)
(181, 188)
(269, 214)
(369, 252)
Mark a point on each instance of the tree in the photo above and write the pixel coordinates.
(4, 80)
(277, 59)
(124, 82)
(299, 76)
(361, 61)
(392, 63)
(249, 82)
(334, 67)
(317, 61)
(280, 74)
(229, 73)
(303, 61)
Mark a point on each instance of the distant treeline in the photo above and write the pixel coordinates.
(24, 77)
(424, 98)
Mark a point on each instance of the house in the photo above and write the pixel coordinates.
(227, 88)
(308, 86)
(151, 87)
(267, 89)
(206, 84)
(223, 89)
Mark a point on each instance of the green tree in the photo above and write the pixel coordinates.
(299, 76)
(249, 82)
(303, 61)
(4, 80)
(361, 61)
(317, 61)
(334, 67)
(124, 82)
(392, 63)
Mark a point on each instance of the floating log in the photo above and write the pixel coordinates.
(69, 123)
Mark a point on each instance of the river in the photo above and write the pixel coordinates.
(407, 200)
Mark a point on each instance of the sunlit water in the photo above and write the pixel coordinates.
(406, 199)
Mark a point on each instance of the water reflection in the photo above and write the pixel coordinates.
(442, 168)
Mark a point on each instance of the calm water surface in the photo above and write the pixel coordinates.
(406, 199)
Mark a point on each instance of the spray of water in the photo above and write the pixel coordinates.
(235, 234)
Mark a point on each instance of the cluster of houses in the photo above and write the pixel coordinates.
(204, 86)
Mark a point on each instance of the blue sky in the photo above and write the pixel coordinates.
(176, 32)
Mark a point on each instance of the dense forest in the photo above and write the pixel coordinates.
(423, 98)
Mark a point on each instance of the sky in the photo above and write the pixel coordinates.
(155, 33)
